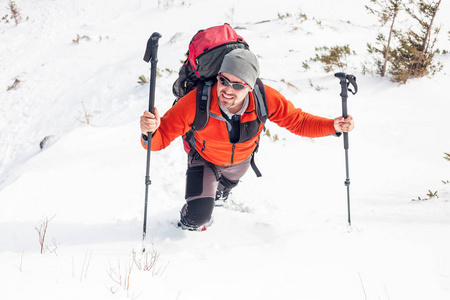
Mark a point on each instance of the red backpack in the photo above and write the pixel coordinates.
(204, 57)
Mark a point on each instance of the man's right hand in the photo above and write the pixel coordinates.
(150, 122)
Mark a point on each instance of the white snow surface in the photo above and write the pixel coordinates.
(291, 239)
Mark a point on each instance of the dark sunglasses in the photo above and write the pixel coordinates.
(234, 85)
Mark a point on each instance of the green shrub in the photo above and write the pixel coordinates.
(334, 58)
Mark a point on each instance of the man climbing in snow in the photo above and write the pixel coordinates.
(224, 148)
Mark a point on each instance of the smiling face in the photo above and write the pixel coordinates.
(230, 98)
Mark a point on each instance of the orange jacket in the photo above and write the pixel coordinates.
(213, 142)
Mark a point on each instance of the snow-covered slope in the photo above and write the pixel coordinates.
(289, 238)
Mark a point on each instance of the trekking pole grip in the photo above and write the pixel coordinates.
(151, 55)
(151, 52)
(344, 95)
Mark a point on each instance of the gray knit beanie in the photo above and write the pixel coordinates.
(243, 64)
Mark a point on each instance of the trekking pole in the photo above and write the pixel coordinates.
(345, 81)
(151, 54)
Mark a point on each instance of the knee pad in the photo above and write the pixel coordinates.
(194, 181)
(227, 184)
(197, 212)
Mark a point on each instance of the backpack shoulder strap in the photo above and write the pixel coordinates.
(259, 94)
(203, 104)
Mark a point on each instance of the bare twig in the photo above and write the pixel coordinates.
(147, 261)
(14, 85)
(53, 249)
(127, 285)
(362, 284)
(15, 11)
(21, 262)
(121, 280)
(42, 231)
(387, 295)
(87, 115)
(86, 264)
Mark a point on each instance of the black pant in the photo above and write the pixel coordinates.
(203, 180)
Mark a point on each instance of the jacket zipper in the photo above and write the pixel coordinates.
(203, 147)
(232, 154)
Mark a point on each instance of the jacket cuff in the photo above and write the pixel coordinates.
(144, 141)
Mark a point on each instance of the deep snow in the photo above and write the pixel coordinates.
(290, 240)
